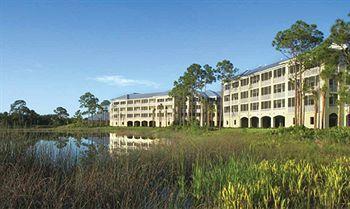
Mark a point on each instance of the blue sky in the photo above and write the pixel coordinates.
(53, 52)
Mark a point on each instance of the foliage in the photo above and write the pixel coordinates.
(336, 134)
(196, 169)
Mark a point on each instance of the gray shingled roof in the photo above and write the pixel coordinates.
(208, 93)
(261, 68)
(139, 96)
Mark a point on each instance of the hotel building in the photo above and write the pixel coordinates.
(264, 97)
(158, 109)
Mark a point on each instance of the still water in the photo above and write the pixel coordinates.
(75, 147)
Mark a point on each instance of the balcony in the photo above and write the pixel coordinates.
(265, 97)
(312, 71)
(279, 79)
(279, 95)
(266, 83)
(253, 99)
(255, 85)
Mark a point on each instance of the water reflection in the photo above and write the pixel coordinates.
(75, 147)
(124, 143)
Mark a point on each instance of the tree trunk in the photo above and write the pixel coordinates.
(323, 114)
(222, 106)
(315, 113)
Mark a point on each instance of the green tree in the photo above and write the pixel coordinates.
(61, 114)
(89, 102)
(294, 43)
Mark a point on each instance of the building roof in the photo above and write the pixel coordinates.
(261, 68)
(208, 93)
(145, 95)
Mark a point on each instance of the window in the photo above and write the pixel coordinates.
(279, 72)
(122, 102)
(227, 109)
(254, 93)
(169, 99)
(309, 100)
(244, 94)
(136, 115)
(234, 122)
(278, 103)
(115, 103)
(130, 109)
(291, 86)
(278, 88)
(245, 82)
(144, 108)
(227, 87)
(291, 102)
(312, 120)
(254, 106)
(266, 105)
(333, 99)
(266, 76)
(152, 100)
(227, 98)
(333, 85)
(235, 96)
(144, 101)
(130, 115)
(137, 108)
(244, 107)
(136, 101)
(266, 90)
(130, 102)
(254, 79)
(312, 81)
(293, 69)
(122, 109)
(144, 115)
(235, 108)
(235, 84)
(160, 100)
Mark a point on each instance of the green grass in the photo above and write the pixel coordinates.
(228, 168)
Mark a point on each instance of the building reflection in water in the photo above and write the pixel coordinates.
(119, 143)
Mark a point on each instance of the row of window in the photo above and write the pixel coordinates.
(256, 78)
(143, 101)
(144, 108)
(143, 115)
(310, 81)
(279, 103)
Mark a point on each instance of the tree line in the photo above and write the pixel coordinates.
(21, 116)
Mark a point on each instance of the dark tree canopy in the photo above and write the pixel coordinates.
(298, 39)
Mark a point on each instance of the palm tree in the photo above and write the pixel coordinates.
(160, 108)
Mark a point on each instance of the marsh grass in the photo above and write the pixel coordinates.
(198, 169)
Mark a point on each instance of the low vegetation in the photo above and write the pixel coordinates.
(230, 168)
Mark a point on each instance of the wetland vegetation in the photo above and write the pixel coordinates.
(199, 168)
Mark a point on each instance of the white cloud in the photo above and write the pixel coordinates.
(117, 80)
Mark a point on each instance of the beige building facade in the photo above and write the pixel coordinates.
(158, 109)
(264, 98)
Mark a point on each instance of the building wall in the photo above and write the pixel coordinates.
(259, 118)
(142, 111)
(135, 112)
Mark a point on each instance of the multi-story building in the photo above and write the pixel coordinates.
(158, 109)
(264, 97)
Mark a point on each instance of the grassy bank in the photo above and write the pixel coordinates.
(230, 168)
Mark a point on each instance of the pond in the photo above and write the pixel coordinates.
(74, 147)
